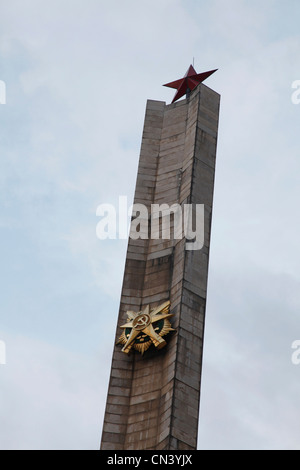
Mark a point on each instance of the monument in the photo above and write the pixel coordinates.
(154, 388)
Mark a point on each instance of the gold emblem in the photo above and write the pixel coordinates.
(145, 328)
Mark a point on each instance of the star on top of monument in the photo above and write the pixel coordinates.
(145, 328)
(189, 82)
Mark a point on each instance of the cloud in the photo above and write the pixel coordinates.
(250, 388)
(50, 398)
(78, 78)
(103, 256)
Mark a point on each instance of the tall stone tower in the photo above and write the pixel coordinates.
(153, 398)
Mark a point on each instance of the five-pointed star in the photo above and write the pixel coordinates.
(141, 322)
(188, 82)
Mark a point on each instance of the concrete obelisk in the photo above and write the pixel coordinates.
(153, 398)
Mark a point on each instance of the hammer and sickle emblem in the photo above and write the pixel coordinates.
(140, 326)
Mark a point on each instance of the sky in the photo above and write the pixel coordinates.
(78, 75)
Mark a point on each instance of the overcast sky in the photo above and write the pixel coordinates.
(78, 75)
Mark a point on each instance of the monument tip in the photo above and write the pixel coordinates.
(189, 82)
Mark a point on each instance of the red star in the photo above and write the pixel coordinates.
(188, 82)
